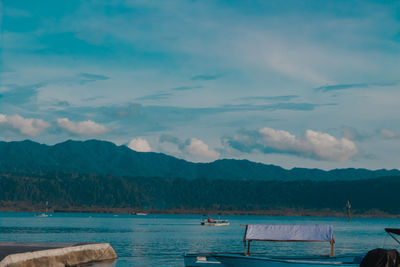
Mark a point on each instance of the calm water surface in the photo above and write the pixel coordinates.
(161, 240)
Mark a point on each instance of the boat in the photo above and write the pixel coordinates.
(276, 233)
(255, 261)
(139, 213)
(212, 222)
(42, 215)
(215, 222)
(380, 257)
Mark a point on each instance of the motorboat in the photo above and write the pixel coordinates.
(212, 222)
(139, 213)
(276, 233)
(42, 215)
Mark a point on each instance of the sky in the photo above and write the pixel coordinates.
(308, 83)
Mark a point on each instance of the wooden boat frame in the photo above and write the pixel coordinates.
(247, 242)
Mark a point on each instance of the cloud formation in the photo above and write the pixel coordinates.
(26, 126)
(353, 134)
(88, 77)
(82, 128)
(337, 87)
(389, 134)
(206, 77)
(198, 148)
(139, 145)
(186, 88)
(313, 144)
(20, 94)
(270, 98)
(272, 57)
(276, 106)
(156, 96)
(194, 147)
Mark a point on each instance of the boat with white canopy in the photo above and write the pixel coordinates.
(277, 233)
(213, 222)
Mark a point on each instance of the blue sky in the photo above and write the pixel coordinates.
(293, 83)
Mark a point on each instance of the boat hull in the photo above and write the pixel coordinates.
(214, 224)
(43, 215)
(201, 260)
(250, 261)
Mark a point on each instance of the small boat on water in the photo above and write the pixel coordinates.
(42, 215)
(212, 222)
(139, 213)
(276, 233)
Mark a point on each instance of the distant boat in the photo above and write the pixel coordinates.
(212, 222)
(280, 233)
(139, 213)
(42, 215)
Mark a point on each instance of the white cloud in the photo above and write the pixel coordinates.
(191, 149)
(198, 148)
(316, 145)
(388, 134)
(139, 145)
(83, 127)
(313, 144)
(26, 126)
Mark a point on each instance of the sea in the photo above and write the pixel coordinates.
(162, 239)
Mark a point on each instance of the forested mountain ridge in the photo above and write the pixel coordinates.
(89, 192)
(105, 158)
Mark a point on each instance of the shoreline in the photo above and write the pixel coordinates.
(272, 212)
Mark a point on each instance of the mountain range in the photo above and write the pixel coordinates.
(105, 158)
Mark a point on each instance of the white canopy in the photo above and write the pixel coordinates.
(289, 232)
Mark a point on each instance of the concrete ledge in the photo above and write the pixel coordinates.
(60, 257)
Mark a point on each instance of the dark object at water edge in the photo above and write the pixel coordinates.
(380, 257)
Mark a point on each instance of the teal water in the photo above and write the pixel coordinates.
(161, 240)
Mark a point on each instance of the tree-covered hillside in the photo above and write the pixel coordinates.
(83, 191)
(105, 158)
